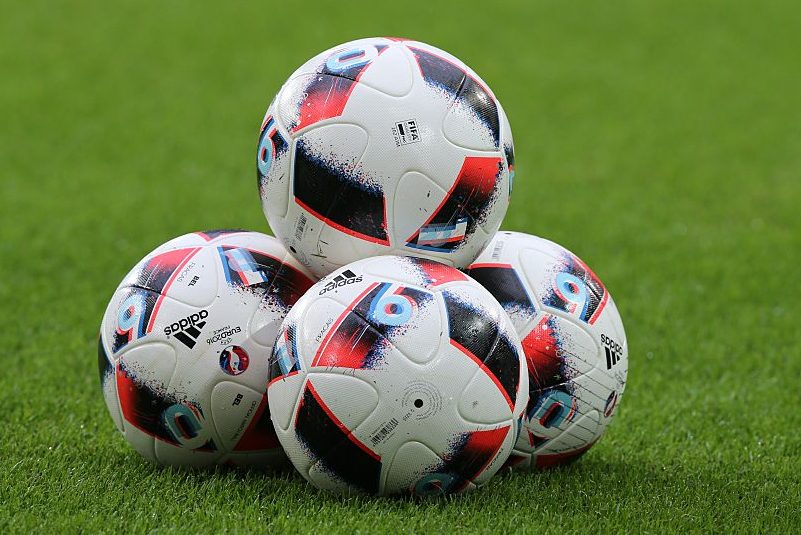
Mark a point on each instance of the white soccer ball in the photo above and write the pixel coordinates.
(185, 343)
(573, 339)
(397, 375)
(384, 146)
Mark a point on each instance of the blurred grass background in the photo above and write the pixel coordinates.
(659, 140)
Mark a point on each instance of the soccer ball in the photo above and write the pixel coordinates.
(384, 146)
(573, 339)
(185, 344)
(397, 375)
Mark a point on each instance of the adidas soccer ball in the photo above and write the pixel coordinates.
(397, 375)
(384, 146)
(573, 339)
(185, 344)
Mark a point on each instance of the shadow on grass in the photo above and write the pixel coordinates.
(596, 483)
(602, 489)
(277, 482)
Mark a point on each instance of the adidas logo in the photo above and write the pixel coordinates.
(611, 358)
(613, 351)
(346, 277)
(188, 329)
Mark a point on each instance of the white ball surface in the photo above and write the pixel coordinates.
(384, 146)
(573, 338)
(185, 343)
(397, 375)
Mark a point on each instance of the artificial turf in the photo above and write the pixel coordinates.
(659, 140)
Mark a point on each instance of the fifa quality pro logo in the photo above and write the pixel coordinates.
(406, 132)
(345, 278)
(187, 330)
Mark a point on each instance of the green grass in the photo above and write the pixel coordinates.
(659, 140)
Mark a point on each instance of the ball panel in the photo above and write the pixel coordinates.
(393, 313)
(352, 342)
(425, 323)
(582, 430)
(263, 270)
(476, 403)
(446, 56)
(310, 99)
(390, 72)
(473, 119)
(557, 408)
(468, 304)
(284, 394)
(498, 444)
(473, 458)
(598, 389)
(129, 318)
(416, 197)
(320, 89)
(331, 185)
(157, 272)
(504, 282)
(405, 135)
(404, 473)
(289, 99)
(558, 350)
(442, 73)
(315, 325)
(336, 448)
(371, 316)
(430, 273)
(186, 409)
(239, 415)
(337, 147)
(562, 282)
(351, 399)
(142, 377)
(464, 208)
(138, 317)
(263, 328)
(472, 326)
(195, 283)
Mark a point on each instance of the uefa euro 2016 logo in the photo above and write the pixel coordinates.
(234, 360)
